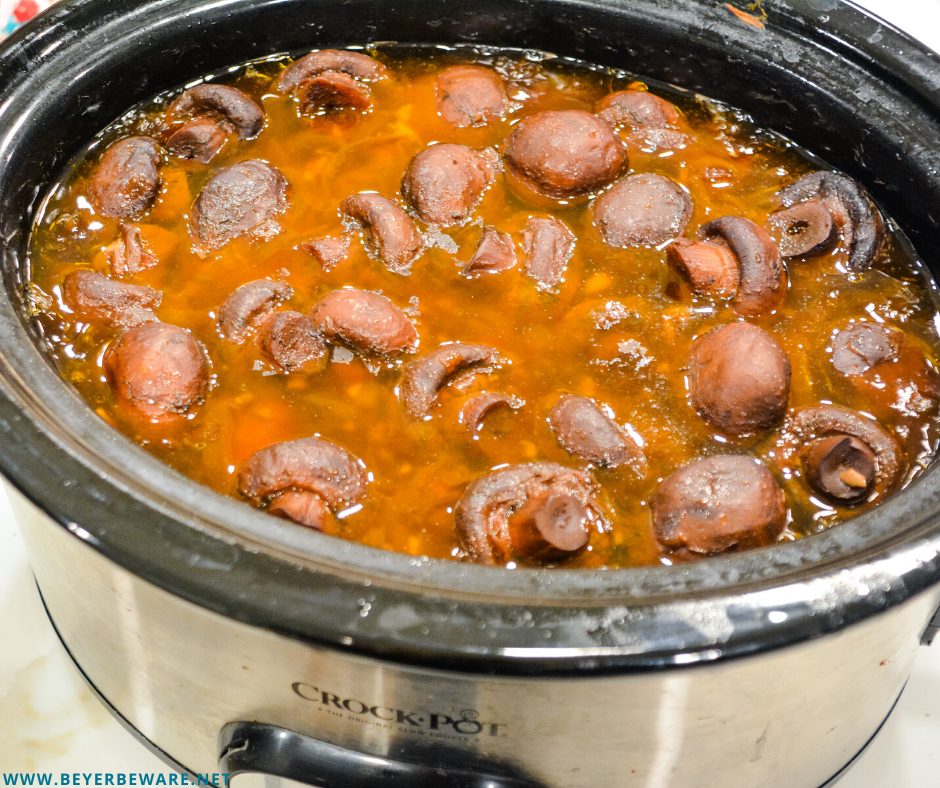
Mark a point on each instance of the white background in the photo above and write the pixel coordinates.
(50, 721)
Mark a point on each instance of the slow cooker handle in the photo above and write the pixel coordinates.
(253, 747)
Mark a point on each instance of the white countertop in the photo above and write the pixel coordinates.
(50, 721)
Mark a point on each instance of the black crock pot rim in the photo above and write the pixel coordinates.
(256, 569)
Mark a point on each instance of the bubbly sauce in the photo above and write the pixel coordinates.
(618, 329)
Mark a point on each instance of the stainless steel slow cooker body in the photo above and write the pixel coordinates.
(217, 632)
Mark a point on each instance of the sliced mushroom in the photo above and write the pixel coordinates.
(524, 511)
(739, 379)
(586, 431)
(242, 199)
(807, 228)
(479, 406)
(470, 96)
(200, 139)
(494, 253)
(638, 109)
(329, 91)
(424, 377)
(763, 279)
(710, 267)
(247, 304)
(862, 346)
(126, 180)
(139, 247)
(95, 298)
(719, 503)
(444, 183)
(303, 508)
(232, 105)
(328, 250)
(565, 153)
(390, 234)
(356, 64)
(312, 465)
(548, 245)
(642, 210)
(850, 207)
(291, 342)
(825, 463)
(157, 371)
(366, 321)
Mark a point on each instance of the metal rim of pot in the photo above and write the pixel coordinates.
(222, 555)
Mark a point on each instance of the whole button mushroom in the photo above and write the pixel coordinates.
(332, 90)
(157, 371)
(565, 153)
(637, 109)
(306, 467)
(479, 406)
(356, 64)
(243, 308)
(95, 298)
(444, 183)
(642, 210)
(242, 199)
(291, 342)
(424, 377)
(804, 229)
(126, 180)
(470, 96)
(331, 79)
(761, 276)
(390, 234)
(847, 457)
(548, 245)
(739, 379)
(234, 107)
(200, 139)
(862, 346)
(720, 503)
(366, 321)
(537, 511)
(586, 431)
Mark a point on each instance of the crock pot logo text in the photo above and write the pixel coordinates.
(465, 723)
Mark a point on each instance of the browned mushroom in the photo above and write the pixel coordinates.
(310, 465)
(762, 277)
(200, 139)
(139, 247)
(479, 406)
(291, 342)
(586, 431)
(565, 153)
(355, 64)
(157, 371)
(838, 469)
(126, 180)
(642, 210)
(539, 511)
(710, 267)
(862, 346)
(424, 377)
(494, 253)
(242, 199)
(806, 228)
(739, 379)
(95, 298)
(390, 234)
(637, 109)
(303, 508)
(366, 321)
(329, 91)
(444, 183)
(470, 96)
(850, 208)
(548, 245)
(247, 304)
(241, 112)
(719, 503)
(328, 250)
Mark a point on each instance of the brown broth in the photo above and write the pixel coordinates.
(556, 341)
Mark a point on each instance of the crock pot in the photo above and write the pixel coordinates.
(231, 640)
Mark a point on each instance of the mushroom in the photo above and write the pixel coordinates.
(424, 377)
(291, 342)
(761, 277)
(495, 253)
(332, 90)
(539, 511)
(479, 406)
(444, 183)
(642, 210)
(366, 321)
(862, 346)
(638, 109)
(564, 153)
(355, 64)
(244, 307)
(234, 107)
(586, 431)
(390, 234)
(126, 180)
(850, 208)
(470, 96)
(847, 457)
(93, 297)
(139, 247)
(157, 371)
(309, 468)
(720, 503)
(739, 379)
(548, 245)
(328, 250)
(200, 139)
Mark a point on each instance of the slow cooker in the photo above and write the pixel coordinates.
(236, 642)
